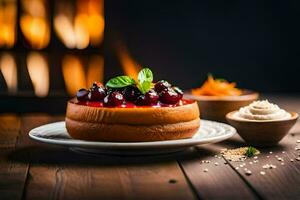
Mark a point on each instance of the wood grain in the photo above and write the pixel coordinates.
(9, 130)
(12, 174)
(57, 173)
(219, 182)
(107, 182)
(283, 182)
(29, 170)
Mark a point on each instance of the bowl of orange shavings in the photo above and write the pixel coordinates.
(217, 97)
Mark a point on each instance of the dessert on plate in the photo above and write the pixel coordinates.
(217, 97)
(262, 123)
(128, 110)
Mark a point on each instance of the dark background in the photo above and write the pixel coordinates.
(254, 43)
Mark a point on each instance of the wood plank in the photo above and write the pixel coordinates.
(9, 130)
(284, 181)
(219, 182)
(9, 122)
(107, 182)
(58, 173)
(12, 174)
(30, 121)
(280, 183)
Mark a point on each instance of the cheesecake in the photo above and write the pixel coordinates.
(125, 110)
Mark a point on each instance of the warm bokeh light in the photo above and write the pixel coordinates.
(8, 69)
(95, 70)
(38, 69)
(81, 33)
(34, 23)
(77, 28)
(73, 73)
(8, 15)
(129, 65)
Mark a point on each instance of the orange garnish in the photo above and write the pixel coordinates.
(217, 87)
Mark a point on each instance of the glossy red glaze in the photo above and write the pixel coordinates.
(132, 105)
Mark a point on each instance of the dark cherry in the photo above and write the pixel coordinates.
(178, 91)
(131, 93)
(97, 93)
(114, 99)
(150, 98)
(82, 94)
(162, 85)
(141, 100)
(169, 96)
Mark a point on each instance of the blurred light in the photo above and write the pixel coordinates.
(81, 27)
(73, 73)
(34, 23)
(8, 15)
(64, 30)
(129, 65)
(39, 73)
(95, 70)
(81, 33)
(9, 71)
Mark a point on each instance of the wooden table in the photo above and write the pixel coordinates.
(29, 170)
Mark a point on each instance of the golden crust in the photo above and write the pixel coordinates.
(132, 124)
(131, 133)
(133, 116)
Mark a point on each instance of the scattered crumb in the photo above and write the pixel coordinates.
(269, 166)
(298, 141)
(238, 154)
(279, 159)
(270, 152)
(248, 172)
(205, 170)
(262, 173)
(282, 163)
(216, 164)
(292, 160)
(298, 158)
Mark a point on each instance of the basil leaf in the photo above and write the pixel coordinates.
(120, 81)
(144, 87)
(145, 78)
(145, 75)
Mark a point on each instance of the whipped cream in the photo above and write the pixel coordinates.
(262, 110)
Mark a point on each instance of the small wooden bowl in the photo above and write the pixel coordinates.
(262, 133)
(216, 108)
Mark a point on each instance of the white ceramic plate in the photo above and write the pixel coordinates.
(56, 134)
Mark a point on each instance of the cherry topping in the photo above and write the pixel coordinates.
(150, 98)
(82, 94)
(169, 96)
(97, 92)
(141, 100)
(178, 91)
(131, 93)
(114, 99)
(162, 85)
